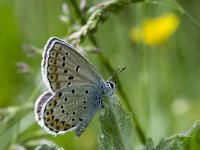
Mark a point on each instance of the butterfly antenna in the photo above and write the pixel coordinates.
(120, 69)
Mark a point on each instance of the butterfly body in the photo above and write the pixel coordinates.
(76, 90)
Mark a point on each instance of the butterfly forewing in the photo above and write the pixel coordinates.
(63, 66)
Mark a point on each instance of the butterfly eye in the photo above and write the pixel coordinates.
(112, 85)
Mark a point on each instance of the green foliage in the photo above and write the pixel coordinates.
(189, 139)
(117, 127)
(158, 93)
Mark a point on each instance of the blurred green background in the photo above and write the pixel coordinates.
(161, 81)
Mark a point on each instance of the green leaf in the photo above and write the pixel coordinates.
(149, 145)
(117, 127)
(189, 139)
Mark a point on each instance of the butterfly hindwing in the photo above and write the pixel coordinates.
(63, 66)
(40, 103)
(71, 109)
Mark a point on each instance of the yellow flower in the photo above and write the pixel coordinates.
(156, 31)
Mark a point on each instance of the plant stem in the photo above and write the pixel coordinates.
(77, 11)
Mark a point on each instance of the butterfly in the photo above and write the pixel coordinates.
(75, 89)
